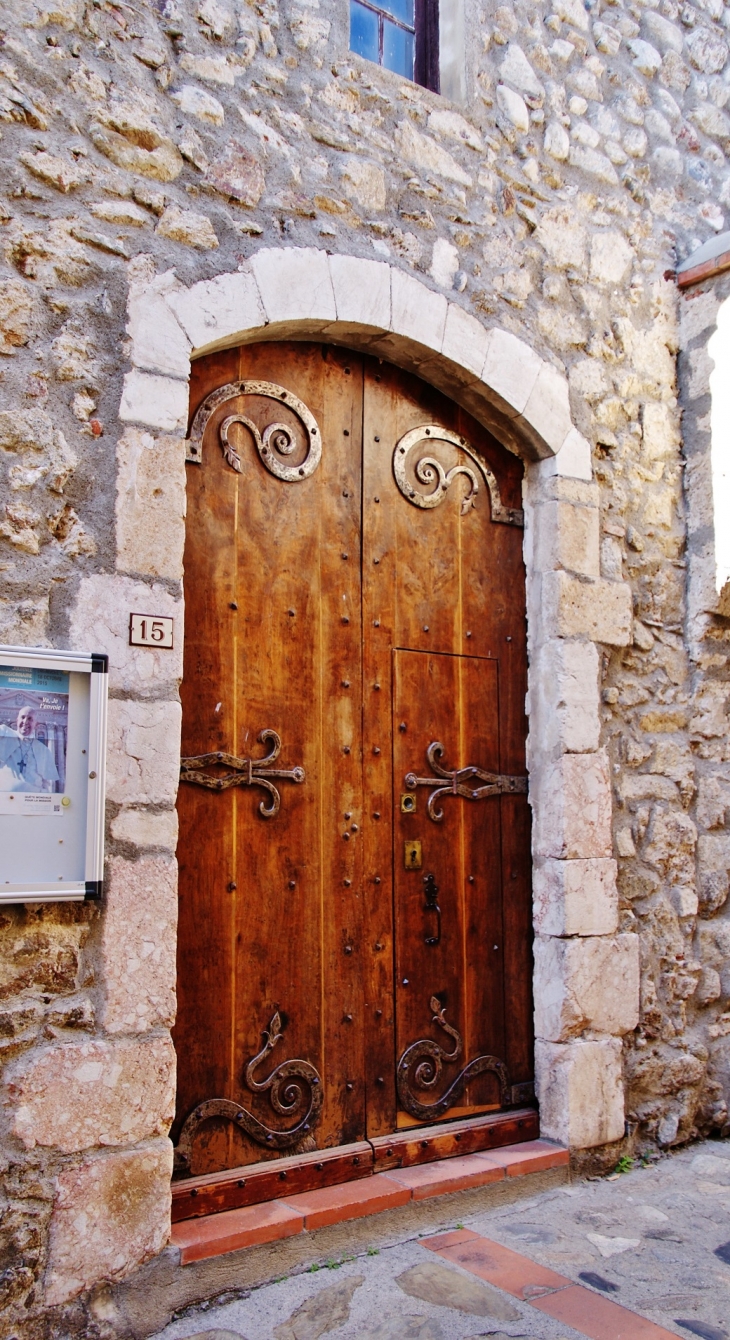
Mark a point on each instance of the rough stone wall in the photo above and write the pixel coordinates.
(589, 155)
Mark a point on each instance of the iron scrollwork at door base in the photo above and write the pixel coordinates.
(292, 1086)
(421, 1067)
(429, 470)
(244, 772)
(461, 782)
(277, 441)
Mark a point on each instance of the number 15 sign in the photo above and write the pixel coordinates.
(150, 630)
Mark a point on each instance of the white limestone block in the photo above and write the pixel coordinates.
(417, 312)
(362, 291)
(151, 504)
(158, 342)
(572, 807)
(564, 698)
(584, 983)
(567, 536)
(156, 402)
(465, 339)
(143, 752)
(218, 312)
(138, 944)
(147, 828)
(576, 897)
(294, 284)
(573, 459)
(88, 1242)
(547, 410)
(76, 1095)
(580, 1091)
(100, 622)
(510, 370)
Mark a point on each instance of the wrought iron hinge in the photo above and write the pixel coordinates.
(275, 445)
(429, 471)
(244, 772)
(461, 782)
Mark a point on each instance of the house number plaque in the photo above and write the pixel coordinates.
(150, 630)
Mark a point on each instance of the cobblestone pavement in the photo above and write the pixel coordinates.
(655, 1239)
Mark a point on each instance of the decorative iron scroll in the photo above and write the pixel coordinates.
(245, 772)
(277, 441)
(291, 1087)
(429, 1057)
(429, 470)
(461, 782)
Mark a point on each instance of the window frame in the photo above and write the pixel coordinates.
(425, 40)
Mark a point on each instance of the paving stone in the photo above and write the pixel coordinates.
(437, 1284)
(702, 1329)
(217, 1335)
(612, 1246)
(318, 1315)
(598, 1282)
(403, 1328)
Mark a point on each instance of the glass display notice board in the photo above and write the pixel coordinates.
(53, 707)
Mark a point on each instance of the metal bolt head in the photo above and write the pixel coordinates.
(292, 883)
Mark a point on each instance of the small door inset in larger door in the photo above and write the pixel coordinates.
(448, 914)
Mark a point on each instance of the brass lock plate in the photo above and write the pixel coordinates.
(408, 803)
(413, 856)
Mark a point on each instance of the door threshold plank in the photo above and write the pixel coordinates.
(255, 1183)
(449, 1139)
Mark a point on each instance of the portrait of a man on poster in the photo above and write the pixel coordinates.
(33, 730)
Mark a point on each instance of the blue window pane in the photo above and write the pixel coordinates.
(363, 31)
(400, 9)
(397, 49)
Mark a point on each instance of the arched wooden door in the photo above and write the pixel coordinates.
(355, 930)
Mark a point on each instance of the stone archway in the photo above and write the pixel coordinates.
(586, 974)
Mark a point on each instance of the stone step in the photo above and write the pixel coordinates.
(232, 1230)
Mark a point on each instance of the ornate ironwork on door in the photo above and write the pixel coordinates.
(275, 444)
(421, 1067)
(461, 782)
(292, 1086)
(244, 772)
(429, 470)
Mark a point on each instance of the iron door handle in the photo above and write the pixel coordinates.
(431, 890)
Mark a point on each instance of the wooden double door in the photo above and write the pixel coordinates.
(355, 930)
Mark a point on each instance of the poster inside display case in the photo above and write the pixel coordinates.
(53, 707)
